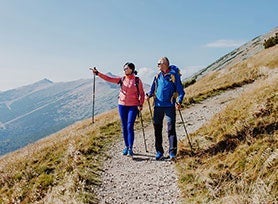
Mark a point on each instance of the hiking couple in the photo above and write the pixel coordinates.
(168, 93)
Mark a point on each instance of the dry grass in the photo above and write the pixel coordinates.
(240, 163)
(61, 168)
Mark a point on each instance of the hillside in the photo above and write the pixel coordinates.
(231, 115)
(32, 112)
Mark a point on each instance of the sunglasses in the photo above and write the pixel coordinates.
(158, 64)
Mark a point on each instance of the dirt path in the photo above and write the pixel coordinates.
(143, 179)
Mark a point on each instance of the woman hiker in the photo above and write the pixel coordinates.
(131, 99)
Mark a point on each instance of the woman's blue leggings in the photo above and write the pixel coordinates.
(128, 116)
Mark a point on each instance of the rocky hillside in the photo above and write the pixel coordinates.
(244, 52)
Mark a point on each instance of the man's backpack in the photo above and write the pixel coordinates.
(176, 69)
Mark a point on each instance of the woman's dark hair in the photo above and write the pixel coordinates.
(131, 66)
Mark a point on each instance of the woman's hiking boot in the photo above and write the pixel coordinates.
(130, 152)
(125, 151)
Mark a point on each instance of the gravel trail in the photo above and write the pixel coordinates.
(143, 179)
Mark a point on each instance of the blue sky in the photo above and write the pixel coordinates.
(61, 39)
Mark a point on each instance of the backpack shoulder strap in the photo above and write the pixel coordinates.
(121, 81)
(156, 77)
(137, 85)
(137, 80)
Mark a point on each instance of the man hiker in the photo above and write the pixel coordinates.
(168, 94)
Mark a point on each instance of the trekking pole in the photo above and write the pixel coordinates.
(93, 97)
(186, 131)
(141, 118)
(150, 109)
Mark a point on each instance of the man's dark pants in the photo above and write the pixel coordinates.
(170, 115)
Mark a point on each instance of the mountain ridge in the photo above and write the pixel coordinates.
(31, 112)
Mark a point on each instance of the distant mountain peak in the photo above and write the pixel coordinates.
(110, 74)
(45, 80)
(39, 84)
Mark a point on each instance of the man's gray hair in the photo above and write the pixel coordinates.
(166, 60)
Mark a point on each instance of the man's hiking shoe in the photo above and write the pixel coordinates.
(125, 151)
(130, 153)
(172, 156)
(158, 156)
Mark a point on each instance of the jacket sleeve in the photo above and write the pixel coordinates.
(107, 78)
(141, 93)
(151, 92)
(180, 89)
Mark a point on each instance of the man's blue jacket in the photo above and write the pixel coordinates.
(167, 88)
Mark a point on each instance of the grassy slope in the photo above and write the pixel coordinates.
(64, 166)
(238, 161)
